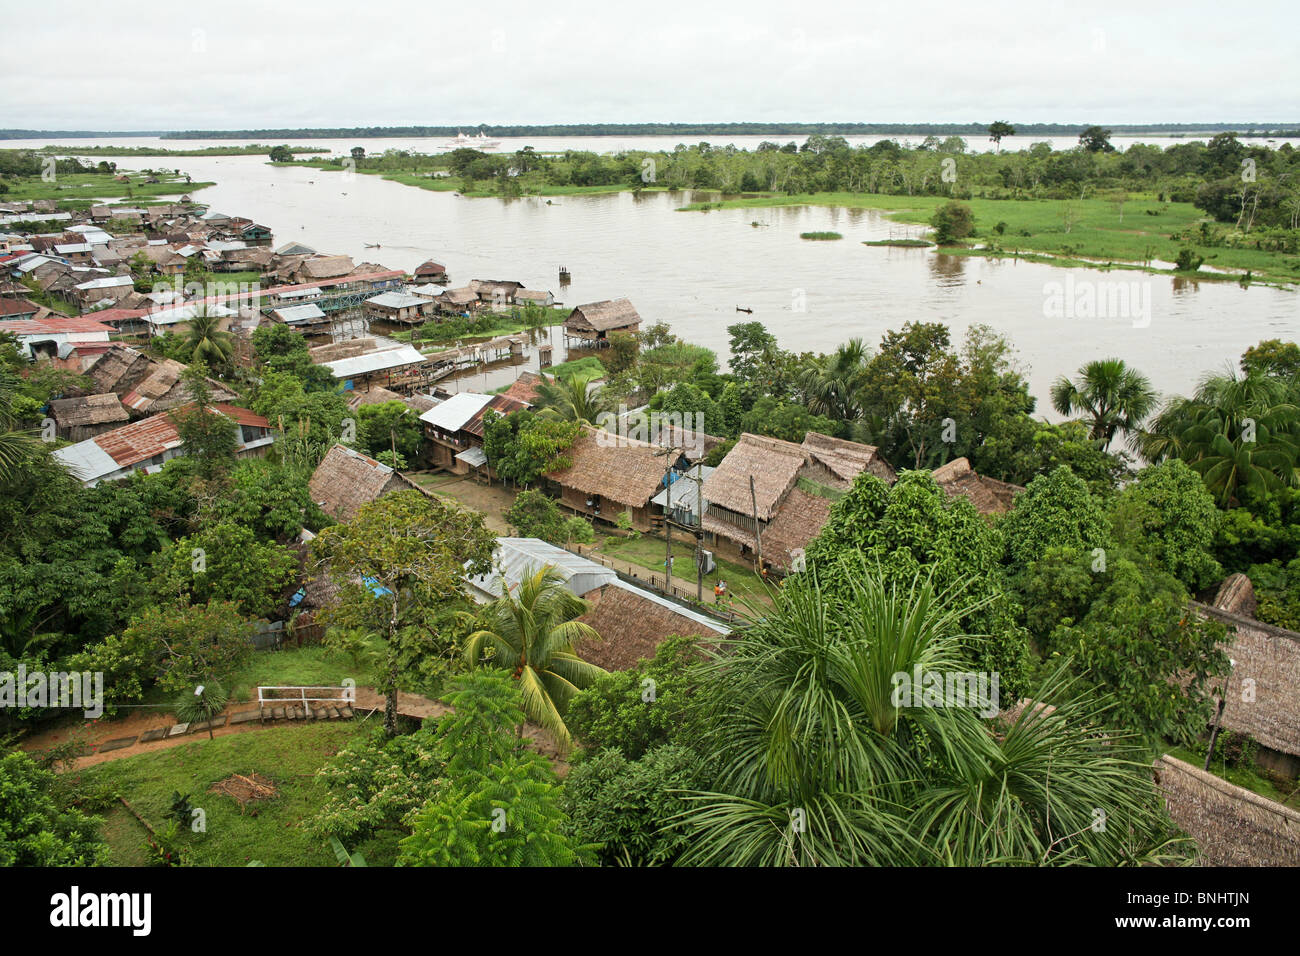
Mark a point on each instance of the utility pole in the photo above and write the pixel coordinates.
(668, 524)
(699, 535)
(758, 536)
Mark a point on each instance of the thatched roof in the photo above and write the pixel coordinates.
(1236, 594)
(618, 469)
(633, 624)
(162, 389)
(326, 267)
(420, 403)
(1231, 825)
(801, 518)
(603, 316)
(118, 369)
(847, 459)
(91, 410)
(1269, 657)
(374, 396)
(772, 463)
(346, 479)
(988, 495)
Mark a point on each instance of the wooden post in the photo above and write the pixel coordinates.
(758, 536)
(1214, 734)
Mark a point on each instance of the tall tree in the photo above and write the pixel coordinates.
(1238, 432)
(1109, 395)
(206, 342)
(401, 557)
(999, 129)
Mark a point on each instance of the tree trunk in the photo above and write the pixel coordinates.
(390, 692)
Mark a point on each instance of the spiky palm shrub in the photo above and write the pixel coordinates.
(532, 634)
(820, 767)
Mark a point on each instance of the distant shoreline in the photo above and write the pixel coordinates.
(1254, 130)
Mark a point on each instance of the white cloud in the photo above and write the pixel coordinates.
(400, 62)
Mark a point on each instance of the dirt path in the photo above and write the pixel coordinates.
(93, 735)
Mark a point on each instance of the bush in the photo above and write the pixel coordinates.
(951, 221)
(535, 515)
(627, 807)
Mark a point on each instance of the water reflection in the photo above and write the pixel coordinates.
(948, 271)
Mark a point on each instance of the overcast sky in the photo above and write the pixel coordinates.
(245, 65)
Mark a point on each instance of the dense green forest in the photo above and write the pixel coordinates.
(1078, 596)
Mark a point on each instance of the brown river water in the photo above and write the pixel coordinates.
(692, 270)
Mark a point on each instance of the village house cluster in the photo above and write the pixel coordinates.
(759, 506)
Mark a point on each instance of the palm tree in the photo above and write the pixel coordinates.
(822, 765)
(16, 444)
(571, 398)
(532, 633)
(1109, 396)
(1237, 432)
(205, 342)
(832, 384)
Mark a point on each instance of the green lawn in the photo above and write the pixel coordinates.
(309, 666)
(82, 189)
(648, 552)
(1137, 232)
(271, 831)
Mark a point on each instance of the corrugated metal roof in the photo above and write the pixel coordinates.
(86, 460)
(452, 414)
(110, 282)
(298, 313)
(375, 362)
(54, 325)
(397, 300)
(517, 558)
(474, 457)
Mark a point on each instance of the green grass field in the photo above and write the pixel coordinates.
(79, 190)
(272, 831)
(1137, 232)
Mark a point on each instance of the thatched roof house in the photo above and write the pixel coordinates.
(1262, 692)
(632, 623)
(793, 488)
(593, 322)
(430, 271)
(80, 418)
(988, 495)
(145, 386)
(610, 474)
(346, 479)
(1232, 826)
(325, 267)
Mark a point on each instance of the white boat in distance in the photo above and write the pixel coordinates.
(473, 142)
